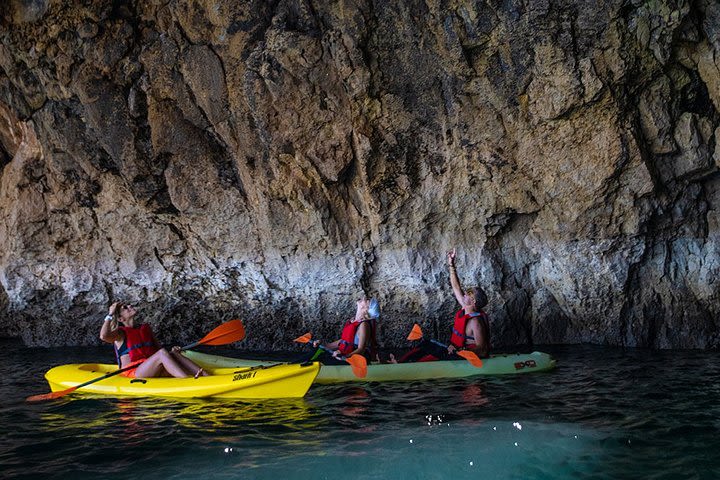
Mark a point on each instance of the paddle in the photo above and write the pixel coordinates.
(358, 363)
(416, 334)
(224, 334)
(228, 332)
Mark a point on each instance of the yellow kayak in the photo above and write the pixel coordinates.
(280, 381)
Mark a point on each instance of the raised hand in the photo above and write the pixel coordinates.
(451, 257)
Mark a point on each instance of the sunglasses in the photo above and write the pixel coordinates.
(126, 307)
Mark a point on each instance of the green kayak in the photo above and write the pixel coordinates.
(503, 364)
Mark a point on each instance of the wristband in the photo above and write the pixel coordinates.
(107, 318)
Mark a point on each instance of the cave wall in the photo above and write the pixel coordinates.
(274, 160)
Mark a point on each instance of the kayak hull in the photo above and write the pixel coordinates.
(503, 364)
(282, 381)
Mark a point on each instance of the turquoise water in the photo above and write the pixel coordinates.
(603, 414)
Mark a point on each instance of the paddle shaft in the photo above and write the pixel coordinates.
(444, 345)
(192, 345)
(330, 351)
(306, 339)
(292, 362)
(265, 367)
(358, 363)
(111, 374)
(468, 355)
(439, 344)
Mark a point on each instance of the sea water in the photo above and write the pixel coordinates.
(604, 413)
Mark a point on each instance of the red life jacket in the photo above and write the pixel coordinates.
(458, 337)
(138, 343)
(347, 337)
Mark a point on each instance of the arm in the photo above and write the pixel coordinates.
(107, 333)
(330, 346)
(480, 334)
(362, 339)
(454, 280)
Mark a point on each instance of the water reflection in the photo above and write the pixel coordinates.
(355, 401)
(473, 395)
(137, 417)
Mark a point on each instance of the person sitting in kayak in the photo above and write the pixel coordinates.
(471, 328)
(358, 336)
(137, 345)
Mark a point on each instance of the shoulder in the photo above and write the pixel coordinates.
(479, 320)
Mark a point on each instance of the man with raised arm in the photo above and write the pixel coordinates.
(471, 329)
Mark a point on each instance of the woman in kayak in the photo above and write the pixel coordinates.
(358, 336)
(137, 345)
(471, 328)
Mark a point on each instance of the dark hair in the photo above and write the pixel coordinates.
(118, 309)
(481, 298)
(116, 316)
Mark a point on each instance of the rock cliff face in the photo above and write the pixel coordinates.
(274, 159)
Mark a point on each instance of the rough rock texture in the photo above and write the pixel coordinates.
(273, 160)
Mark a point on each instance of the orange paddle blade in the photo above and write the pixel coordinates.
(416, 333)
(358, 363)
(51, 395)
(228, 332)
(304, 338)
(471, 357)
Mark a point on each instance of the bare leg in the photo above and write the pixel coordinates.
(190, 367)
(159, 362)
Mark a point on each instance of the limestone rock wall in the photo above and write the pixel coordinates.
(274, 159)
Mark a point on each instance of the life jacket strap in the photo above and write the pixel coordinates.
(462, 335)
